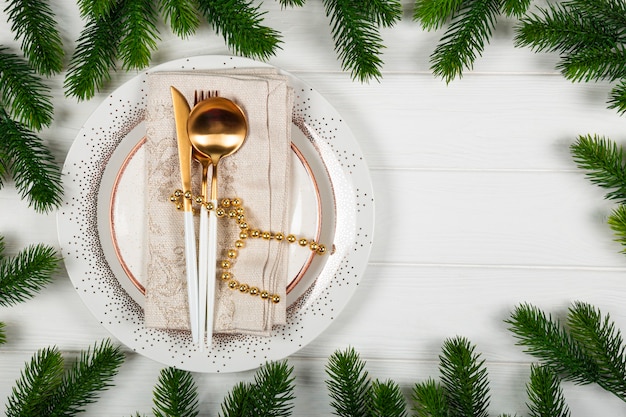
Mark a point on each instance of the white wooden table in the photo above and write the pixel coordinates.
(479, 208)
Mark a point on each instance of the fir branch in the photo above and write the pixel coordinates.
(430, 399)
(465, 38)
(611, 12)
(140, 34)
(594, 64)
(604, 162)
(92, 373)
(603, 342)
(559, 29)
(175, 394)
(37, 384)
(545, 394)
(387, 399)
(617, 98)
(3, 335)
(348, 383)
(24, 275)
(238, 402)
(355, 30)
(22, 92)
(515, 8)
(24, 155)
(545, 339)
(617, 222)
(182, 16)
(34, 22)
(432, 14)
(240, 23)
(96, 52)
(464, 378)
(96, 8)
(292, 3)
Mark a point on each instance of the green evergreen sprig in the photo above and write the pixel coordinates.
(175, 394)
(25, 157)
(34, 22)
(590, 37)
(589, 350)
(22, 93)
(472, 23)
(545, 394)
(140, 33)
(349, 384)
(46, 389)
(355, 27)
(270, 394)
(3, 335)
(387, 399)
(240, 24)
(24, 275)
(182, 16)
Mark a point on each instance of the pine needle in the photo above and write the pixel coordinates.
(617, 222)
(3, 335)
(22, 93)
(33, 167)
(182, 16)
(594, 64)
(140, 34)
(433, 14)
(24, 275)
(96, 53)
(387, 399)
(465, 38)
(545, 394)
(604, 163)
(464, 378)
(349, 384)
(175, 394)
(89, 375)
(430, 399)
(603, 342)
(37, 384)
(545, 339)
(617, 98)
(239, 401)
(292, 3)
(240, 23)
(34, 22)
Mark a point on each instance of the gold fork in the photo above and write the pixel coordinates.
(203, 247)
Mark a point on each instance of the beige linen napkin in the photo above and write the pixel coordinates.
(258, 173)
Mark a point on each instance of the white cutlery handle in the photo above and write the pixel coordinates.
(203, 276)
(211, 270)
(192, 275)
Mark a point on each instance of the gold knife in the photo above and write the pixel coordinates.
(181, 114)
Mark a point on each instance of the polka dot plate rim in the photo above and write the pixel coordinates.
(331, 282)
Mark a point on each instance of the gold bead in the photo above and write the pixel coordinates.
(313, 246)
(226, 276)
(303, 242)
(232, 284)
(232, 213)
(240, 244)
(244, 288)
(254, 291)
(243, 226)
(179, 206)
(178, 193)
(265, 295)
(173, 198)
(209, 205)
(266, 235)
(226, 202)
(232, 253)
(291, 238)
(236, 202)
(279, 236)
(188, 195)
(220, 212)
(243, 235)
(226, 264)
(275, 298)
(199, 199)
(255, 233)
(241, 218)
(239, 211)
(321, 249)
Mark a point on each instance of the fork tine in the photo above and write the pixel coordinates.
(199, 95)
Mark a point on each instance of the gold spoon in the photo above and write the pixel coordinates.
(216, 128)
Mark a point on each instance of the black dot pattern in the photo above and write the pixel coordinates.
(316, 306)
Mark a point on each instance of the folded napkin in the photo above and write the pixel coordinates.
(258, 173)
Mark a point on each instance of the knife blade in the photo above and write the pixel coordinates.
(181, 114)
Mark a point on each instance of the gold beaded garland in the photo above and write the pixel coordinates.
(237, 212)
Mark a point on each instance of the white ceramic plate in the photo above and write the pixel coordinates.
(98, 228)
